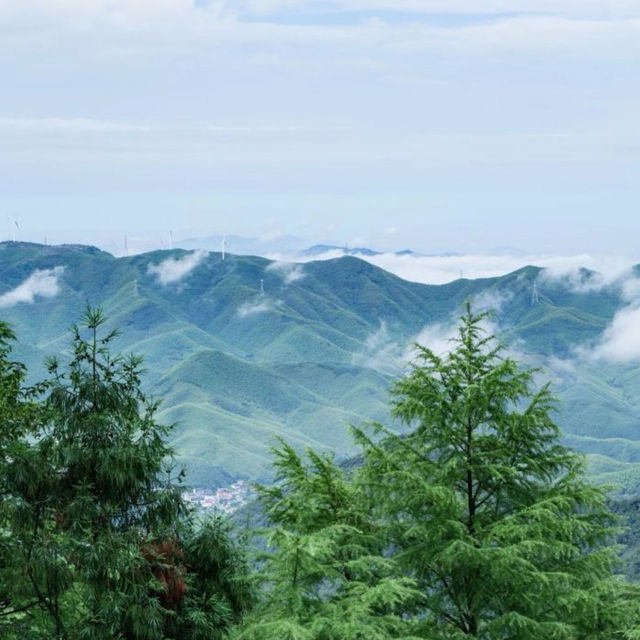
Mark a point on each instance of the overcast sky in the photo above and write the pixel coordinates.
(437, 125)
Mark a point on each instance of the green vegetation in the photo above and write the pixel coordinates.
(474, 521)
(330, 340)
(96, 539)
(325, 574)
(486, 509)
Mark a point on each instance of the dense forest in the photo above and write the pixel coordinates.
(474, 522)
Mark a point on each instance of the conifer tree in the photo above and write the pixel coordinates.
(485, 508)
(20, 415)
(324, 575)
(220, 590)
(106, 541)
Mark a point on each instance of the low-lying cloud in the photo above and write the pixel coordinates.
(43, 283)
(381, 352)
(255, 307)
(439, 337)
(173, 270)
(441, 269)
(580, 273)
(290, 272)
(492, 300)
(620, 341)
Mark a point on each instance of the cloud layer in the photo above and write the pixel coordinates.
(620, 341)
(289, 272)
(41, 283)
(173, 270)
(417, 113)
(255, 307)
(440, 269)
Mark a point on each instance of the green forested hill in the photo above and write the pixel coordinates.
(242, 349)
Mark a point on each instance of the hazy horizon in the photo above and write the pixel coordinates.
(429, 125)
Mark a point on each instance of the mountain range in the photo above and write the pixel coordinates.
(243, 349)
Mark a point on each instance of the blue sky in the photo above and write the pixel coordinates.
(433, 124)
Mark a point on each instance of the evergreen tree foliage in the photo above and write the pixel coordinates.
(324, 575)
(220, 591)
(20, 415)
(476, 522)
(484, 507)
(102, 533)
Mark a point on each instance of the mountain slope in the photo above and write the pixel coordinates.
(243, 349)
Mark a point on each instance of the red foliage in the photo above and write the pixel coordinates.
(164, 557)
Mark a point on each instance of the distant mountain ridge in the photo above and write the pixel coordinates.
(246, 348)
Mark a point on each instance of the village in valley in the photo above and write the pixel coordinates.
(224, 499)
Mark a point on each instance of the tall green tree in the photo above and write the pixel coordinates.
(106, 541)
(324, 575)
(20, 416)
(484, 507)
(220, 590)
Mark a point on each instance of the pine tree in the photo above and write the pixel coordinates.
(220, 591)
(104, 537)
(20, 416)
(324, 576)
(486, 509)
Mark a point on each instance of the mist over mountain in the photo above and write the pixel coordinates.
(245, 348)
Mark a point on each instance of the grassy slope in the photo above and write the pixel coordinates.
(311, 355)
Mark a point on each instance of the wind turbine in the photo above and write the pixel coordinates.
(224, 246)
(170, 238)
(125, 250)
(16, 227)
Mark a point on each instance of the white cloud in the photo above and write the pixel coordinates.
(490, 7)
(505, 112)
(175, 269)
(41, 283)
(381, 352)
(491, 300)
(166, 24)
(441, 269)
(289, 271)
(631, 289)
(621, 339)
(606, 271)
(124, 11)
(439, 337)
(255, 307)
(561, 366)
